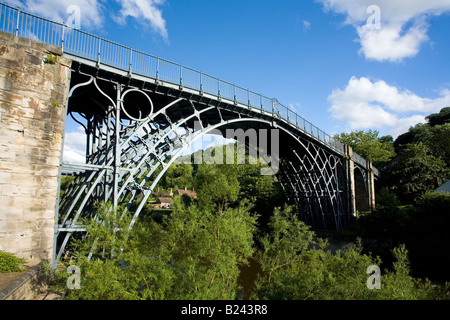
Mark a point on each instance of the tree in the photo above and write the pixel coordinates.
(417, 172)
(419, 133)
(427, 236)
(194, 254)
(207, 248)
(440, 118)
(296, 266)
(178, 176)
(367, 144)
(439, 143)
(216, 185)
(435, 134)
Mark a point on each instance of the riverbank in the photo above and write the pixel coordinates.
(29, 284)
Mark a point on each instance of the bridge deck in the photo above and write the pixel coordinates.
(93, 50)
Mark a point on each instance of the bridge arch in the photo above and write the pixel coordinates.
(309, 174)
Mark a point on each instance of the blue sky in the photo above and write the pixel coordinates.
(324, 58)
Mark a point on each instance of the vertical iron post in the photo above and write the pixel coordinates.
(117, 148)
(17, 25)
(131, 59)
(62, 37)
(157, 69)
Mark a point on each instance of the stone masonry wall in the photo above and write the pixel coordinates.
(33, 96)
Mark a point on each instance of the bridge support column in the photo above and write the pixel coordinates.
(350, 175)
(371, 185)
(33, 94)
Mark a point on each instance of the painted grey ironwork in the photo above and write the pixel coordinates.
(129, 149)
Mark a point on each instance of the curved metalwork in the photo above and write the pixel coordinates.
(135, 133)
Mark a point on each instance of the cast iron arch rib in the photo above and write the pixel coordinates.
(131, 148)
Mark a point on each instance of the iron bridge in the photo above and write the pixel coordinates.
(141, 112)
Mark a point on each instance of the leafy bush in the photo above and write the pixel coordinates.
(196, 253)
(10, 263)
(436, 203)
(193, 254)
(296, 267)
(427, 236)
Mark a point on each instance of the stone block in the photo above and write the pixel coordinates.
(5, 202)
(7, 153)
(8, 166)
(45, 170)
(5, 178)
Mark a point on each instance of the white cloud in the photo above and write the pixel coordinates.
(145, 11)
(92, 13)
(388, 43)
(403, 124)
(403, 28)
(75, 146)
(90, 10)
(364, 104)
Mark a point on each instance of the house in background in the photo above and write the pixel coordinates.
(444, 188)
(190, 193)
(164, 203)
(158, 194)
(164, 198)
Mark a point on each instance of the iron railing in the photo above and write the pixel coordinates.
(81, 44)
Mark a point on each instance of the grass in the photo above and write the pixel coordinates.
(10, 263)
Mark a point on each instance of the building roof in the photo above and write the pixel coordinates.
(163, 194)
(444, 188)
(164, 200)
(190, 193)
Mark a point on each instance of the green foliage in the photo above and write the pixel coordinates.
(417, 172)
(436, 203)
(423, 161)
(207, 248)
(50, 59)
(367, 144)
(297, 267)
(222, 185)
(178, 176)
(436, 138)
(435, 135)
(262, 190)
(440, 118)
(216, 185)
(386, 198)
(65, 183)
(423, 228)
(194, 254)
(108, 232)
(418, 133)
(10, 263)
(439, 143)
(55, 103)
(427, 236)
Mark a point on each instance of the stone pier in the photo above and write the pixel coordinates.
(361, 190)
(34, 81)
